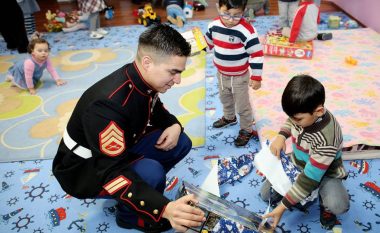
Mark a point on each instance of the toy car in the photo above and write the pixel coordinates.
(198, 6)
(146, 15)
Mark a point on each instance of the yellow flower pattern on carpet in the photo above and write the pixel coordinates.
(54, 125)
(82, 59)
(16, 102)
(5, 63)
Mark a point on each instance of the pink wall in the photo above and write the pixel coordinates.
(365, 11)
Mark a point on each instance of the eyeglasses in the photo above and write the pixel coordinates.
(233, 17)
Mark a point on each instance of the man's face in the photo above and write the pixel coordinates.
(164, 74)
(231, 17)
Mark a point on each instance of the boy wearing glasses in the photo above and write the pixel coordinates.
(238, 57)
(317, 143)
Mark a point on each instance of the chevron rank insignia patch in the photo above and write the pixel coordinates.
(111, 140)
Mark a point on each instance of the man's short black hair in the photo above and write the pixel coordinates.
(235, 4)
(302, 94)
(164, 40)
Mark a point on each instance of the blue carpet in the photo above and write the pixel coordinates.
(31, 200)
(32, 126)
(126, 36)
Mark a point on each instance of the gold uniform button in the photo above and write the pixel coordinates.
(155, 211)
(142, 203)
(129, 195)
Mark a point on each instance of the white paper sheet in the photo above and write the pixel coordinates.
(211, 182)
(271, 167)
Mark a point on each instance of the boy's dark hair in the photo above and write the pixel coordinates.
(35, 41)
(164, 40)
(302, 94)
(235, 4)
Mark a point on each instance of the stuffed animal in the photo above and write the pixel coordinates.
(52, 24)
(351, 24)
(188, 10)
(60, 16)
(109, 12)
(72, 23)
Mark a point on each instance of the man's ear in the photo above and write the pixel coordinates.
(320, 111)
(146, 62)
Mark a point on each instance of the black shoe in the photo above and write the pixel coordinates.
(145, 226)
(127, 219)
(223, 122)
(244, 137)
(325, 36)
(11, 47)
(22, 50)
(328, 220)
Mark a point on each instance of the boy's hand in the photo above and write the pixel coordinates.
(60, 82)
(276, 214)
(277, 145)
(254, 84)
(32, 91)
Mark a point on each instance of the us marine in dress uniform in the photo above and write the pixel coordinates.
(121, 141)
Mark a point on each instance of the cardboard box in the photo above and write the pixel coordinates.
(196, 40)
(278, 45)
(216, 208)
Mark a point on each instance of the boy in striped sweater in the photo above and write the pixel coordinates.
(238, 56)
(317, 150)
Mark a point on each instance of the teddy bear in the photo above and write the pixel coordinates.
(72, 22)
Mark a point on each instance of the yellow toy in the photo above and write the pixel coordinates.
(334, 22)
(147, 16)
(52, 24)
(350, 60)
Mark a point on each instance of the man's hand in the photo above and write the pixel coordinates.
(254, 84)
(276, 214)
(169, 138)
(181, 215)
(277, 145)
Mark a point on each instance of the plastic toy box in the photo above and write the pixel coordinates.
(216, 208)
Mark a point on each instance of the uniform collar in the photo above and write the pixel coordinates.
(138, 81)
